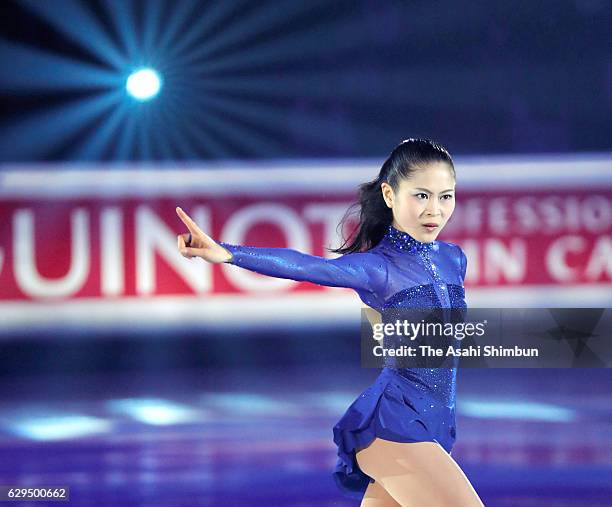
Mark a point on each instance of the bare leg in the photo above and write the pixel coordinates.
(419, 474)
(376, 496)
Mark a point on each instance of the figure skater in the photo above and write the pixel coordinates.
(394, 442)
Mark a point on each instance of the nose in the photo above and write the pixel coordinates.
(433, 207)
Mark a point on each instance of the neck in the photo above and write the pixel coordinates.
(403, 241)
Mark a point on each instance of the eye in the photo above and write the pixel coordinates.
(450, 196)
(421, 193)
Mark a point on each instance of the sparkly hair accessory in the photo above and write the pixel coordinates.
(405, 242)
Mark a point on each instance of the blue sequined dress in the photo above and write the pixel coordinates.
(403, 404)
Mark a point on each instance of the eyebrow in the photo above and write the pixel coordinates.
(430, 192)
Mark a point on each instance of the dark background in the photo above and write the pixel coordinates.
(331, 79)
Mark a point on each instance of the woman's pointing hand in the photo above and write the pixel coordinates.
(201, 245)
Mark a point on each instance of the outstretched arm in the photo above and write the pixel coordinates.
(360, 271)
(363, 271)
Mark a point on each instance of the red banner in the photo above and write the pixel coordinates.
(105, 235)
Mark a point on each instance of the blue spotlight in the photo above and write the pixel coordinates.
(143, 84)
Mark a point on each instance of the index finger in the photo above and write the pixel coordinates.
(191, 225)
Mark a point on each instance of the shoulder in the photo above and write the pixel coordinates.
(455, 253)
(449, 248)
(372, 261)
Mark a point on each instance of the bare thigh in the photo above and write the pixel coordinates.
(376, 496)
(418, 474)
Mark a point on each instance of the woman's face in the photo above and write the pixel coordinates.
(427, 197)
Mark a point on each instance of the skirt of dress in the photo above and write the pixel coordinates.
(392, 408)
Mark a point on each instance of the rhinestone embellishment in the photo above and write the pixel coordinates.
(405, 242)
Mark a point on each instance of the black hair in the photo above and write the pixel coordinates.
(375, 216)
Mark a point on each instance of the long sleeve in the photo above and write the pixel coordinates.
(362, 271)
